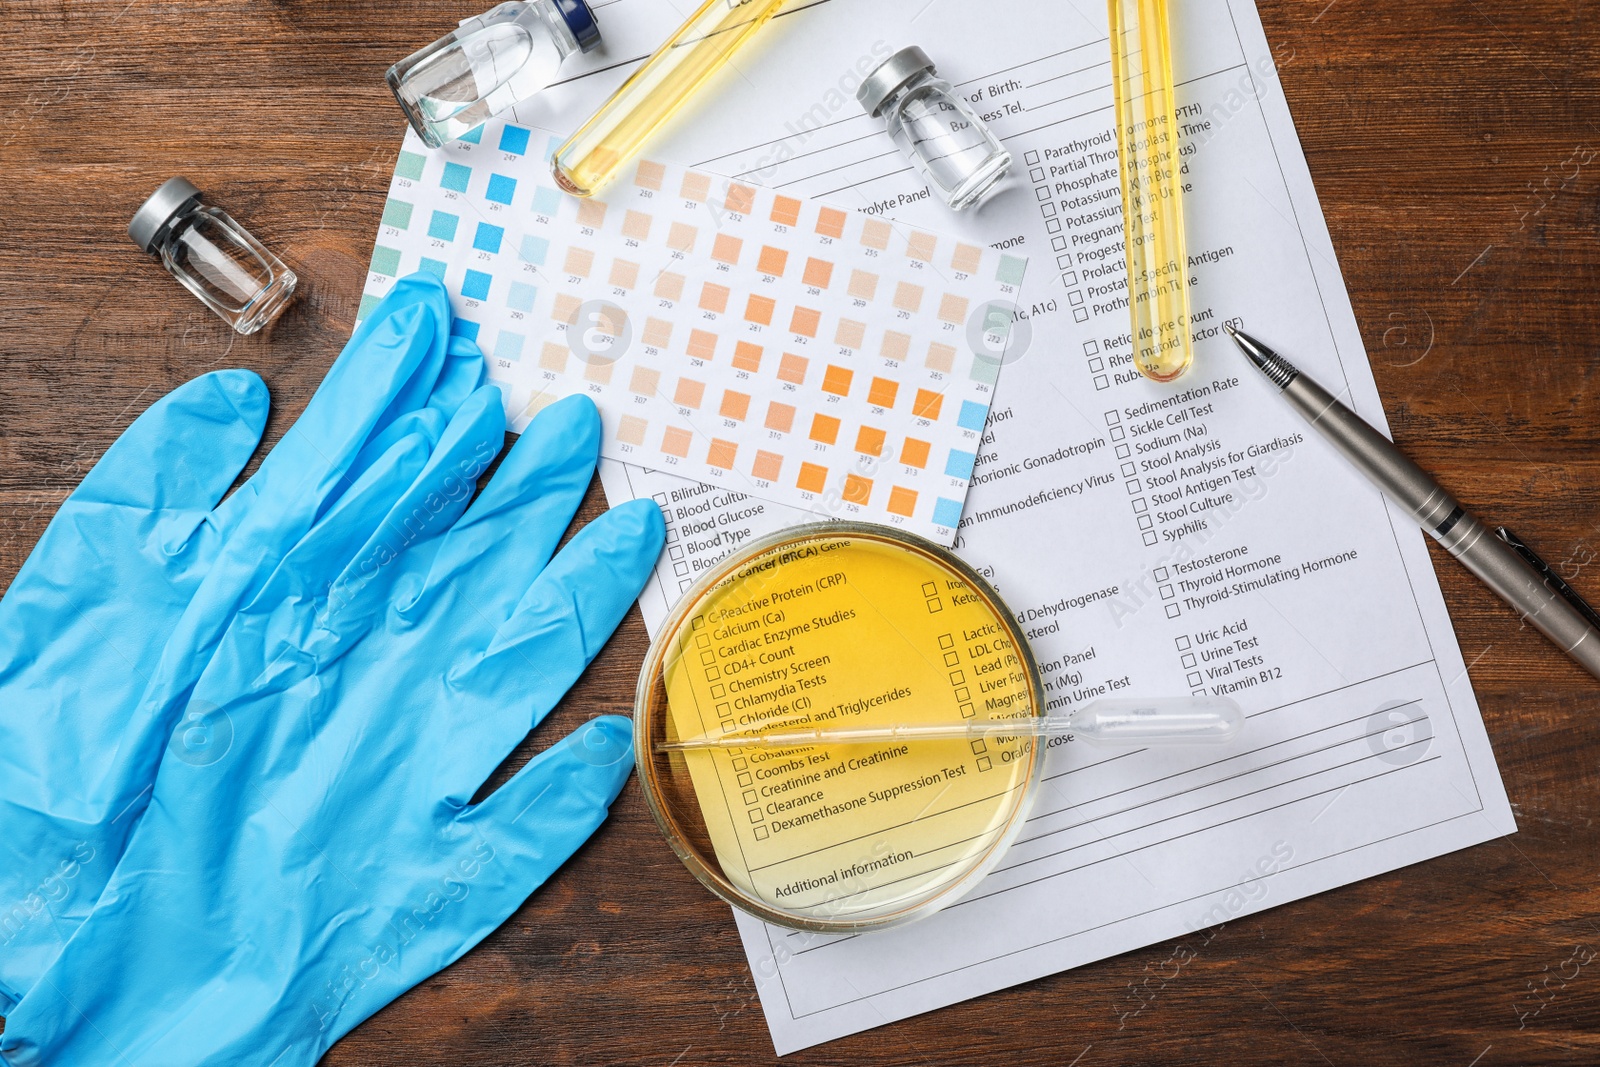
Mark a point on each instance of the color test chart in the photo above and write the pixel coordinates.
(778, 347)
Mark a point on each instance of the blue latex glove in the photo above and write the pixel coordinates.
(119, 606)
(331, 858)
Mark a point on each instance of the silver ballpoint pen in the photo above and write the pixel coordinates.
(1503, 562)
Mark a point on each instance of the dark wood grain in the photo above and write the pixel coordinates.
(1441, 138)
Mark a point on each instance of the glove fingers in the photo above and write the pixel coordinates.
(434, 499)
(185, 450)
(511, 530)
(568, 613)
(464, 373)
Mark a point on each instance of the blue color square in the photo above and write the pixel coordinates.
(488, 237)
(456, 177)
(386, 261)
(522, 297)
(973, 415)
(514, 139)
(368, 302)
(508, 345)
(432, 266)
(443, 225)
(473, 136)
(501, 188)
(534, 250)
(475, 286)
(959, 465)
(947, 512)
(464, 328)
(546, 201)
(550, 149)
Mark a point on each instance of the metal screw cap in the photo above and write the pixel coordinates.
(173, 196)
(890, 75)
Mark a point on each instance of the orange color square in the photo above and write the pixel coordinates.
(649, 175)
(676, 441)
(780, 417)
(914, 453)
(702, 344)
(644, 382)
(870, 441)
(830, 222)
(767, 466)
(553, 356)
(785, 210)
(741, 199)
(772, 261)
(680, 237)
(967, 259)
(824, 429)
(863, 284)
(714, 297)
(624, 275)
(907, 297)
(902, 501)
(812, 478)
(792, 368)
(669, 286)
(760, 309)
(630, 429)
(804, 321)
(927, 404)
(953, 308)
(819, 272)
(726, 248)
(591, 213)
(565, 308)
(837, 380)
(921, 246)
(875, 234)
(696, 187)
(690, 393)
(746, 356)
(883, 392)
(721, 454)
(857, 490)
(657, 333)
(599, 371)
(734, 405)
(896, 346)
(941, 358)
(636, 224)
(580, 261)
(850, 334)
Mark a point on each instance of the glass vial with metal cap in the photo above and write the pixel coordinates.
(490, 62)
(214, 257)
(953, 150)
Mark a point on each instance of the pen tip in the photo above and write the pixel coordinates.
(1230, 331)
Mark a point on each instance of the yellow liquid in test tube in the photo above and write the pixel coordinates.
(1152, 200)
(849, 630)
(656, 91)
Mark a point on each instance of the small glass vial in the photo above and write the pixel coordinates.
(214, 257)
(490, 62)
(953, 150)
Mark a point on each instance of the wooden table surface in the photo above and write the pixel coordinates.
(1456, 149)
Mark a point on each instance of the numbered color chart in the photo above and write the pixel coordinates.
(783, 348)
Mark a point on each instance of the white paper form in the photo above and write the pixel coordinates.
(1153, 539)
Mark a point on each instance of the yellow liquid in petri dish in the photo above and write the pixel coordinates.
(830, 626)
(657, 91)
(1152, 199)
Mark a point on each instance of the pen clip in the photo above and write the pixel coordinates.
(1555, 581)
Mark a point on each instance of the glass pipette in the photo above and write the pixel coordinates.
(1112, 721)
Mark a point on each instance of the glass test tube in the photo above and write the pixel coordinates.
(1152, 201)
(656, 91)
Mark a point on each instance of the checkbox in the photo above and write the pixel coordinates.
(1036, 175)
(672, 534)
(1129, 470)
(1193, 678)
(1140, 506)
(712, 674)
(1161, 574)
(1058, 243)
(1052, 225)
(963, 694)
(749, 797)
(1173, 611)
(707, 658)
(1031, 158)
(1146, 522)
(1123, 451)
(675, 552)
(1183, 642)
(1102, 382)
(1080, 314)
(1069, 278)
(1167, 592)
(1043, 194)
(728, 726)
(1092, 348)
(761, 833)
(978, 747)
(957, 677)
(1075, 297)
(966, 711)
(680, 569)
(702, 640)
(755, 814)
(951, 659)
(1188, 660)
(739, 763)
(718, 691)
(724, 711)
(1151, 539)
(1118, 433)
(1135, 486)
(947, 640)
(684, 584)
(745, 779)
(660, 498)
(984, 764)
(1048, 208)
(1097, 364)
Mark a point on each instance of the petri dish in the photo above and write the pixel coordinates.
(838, 624)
